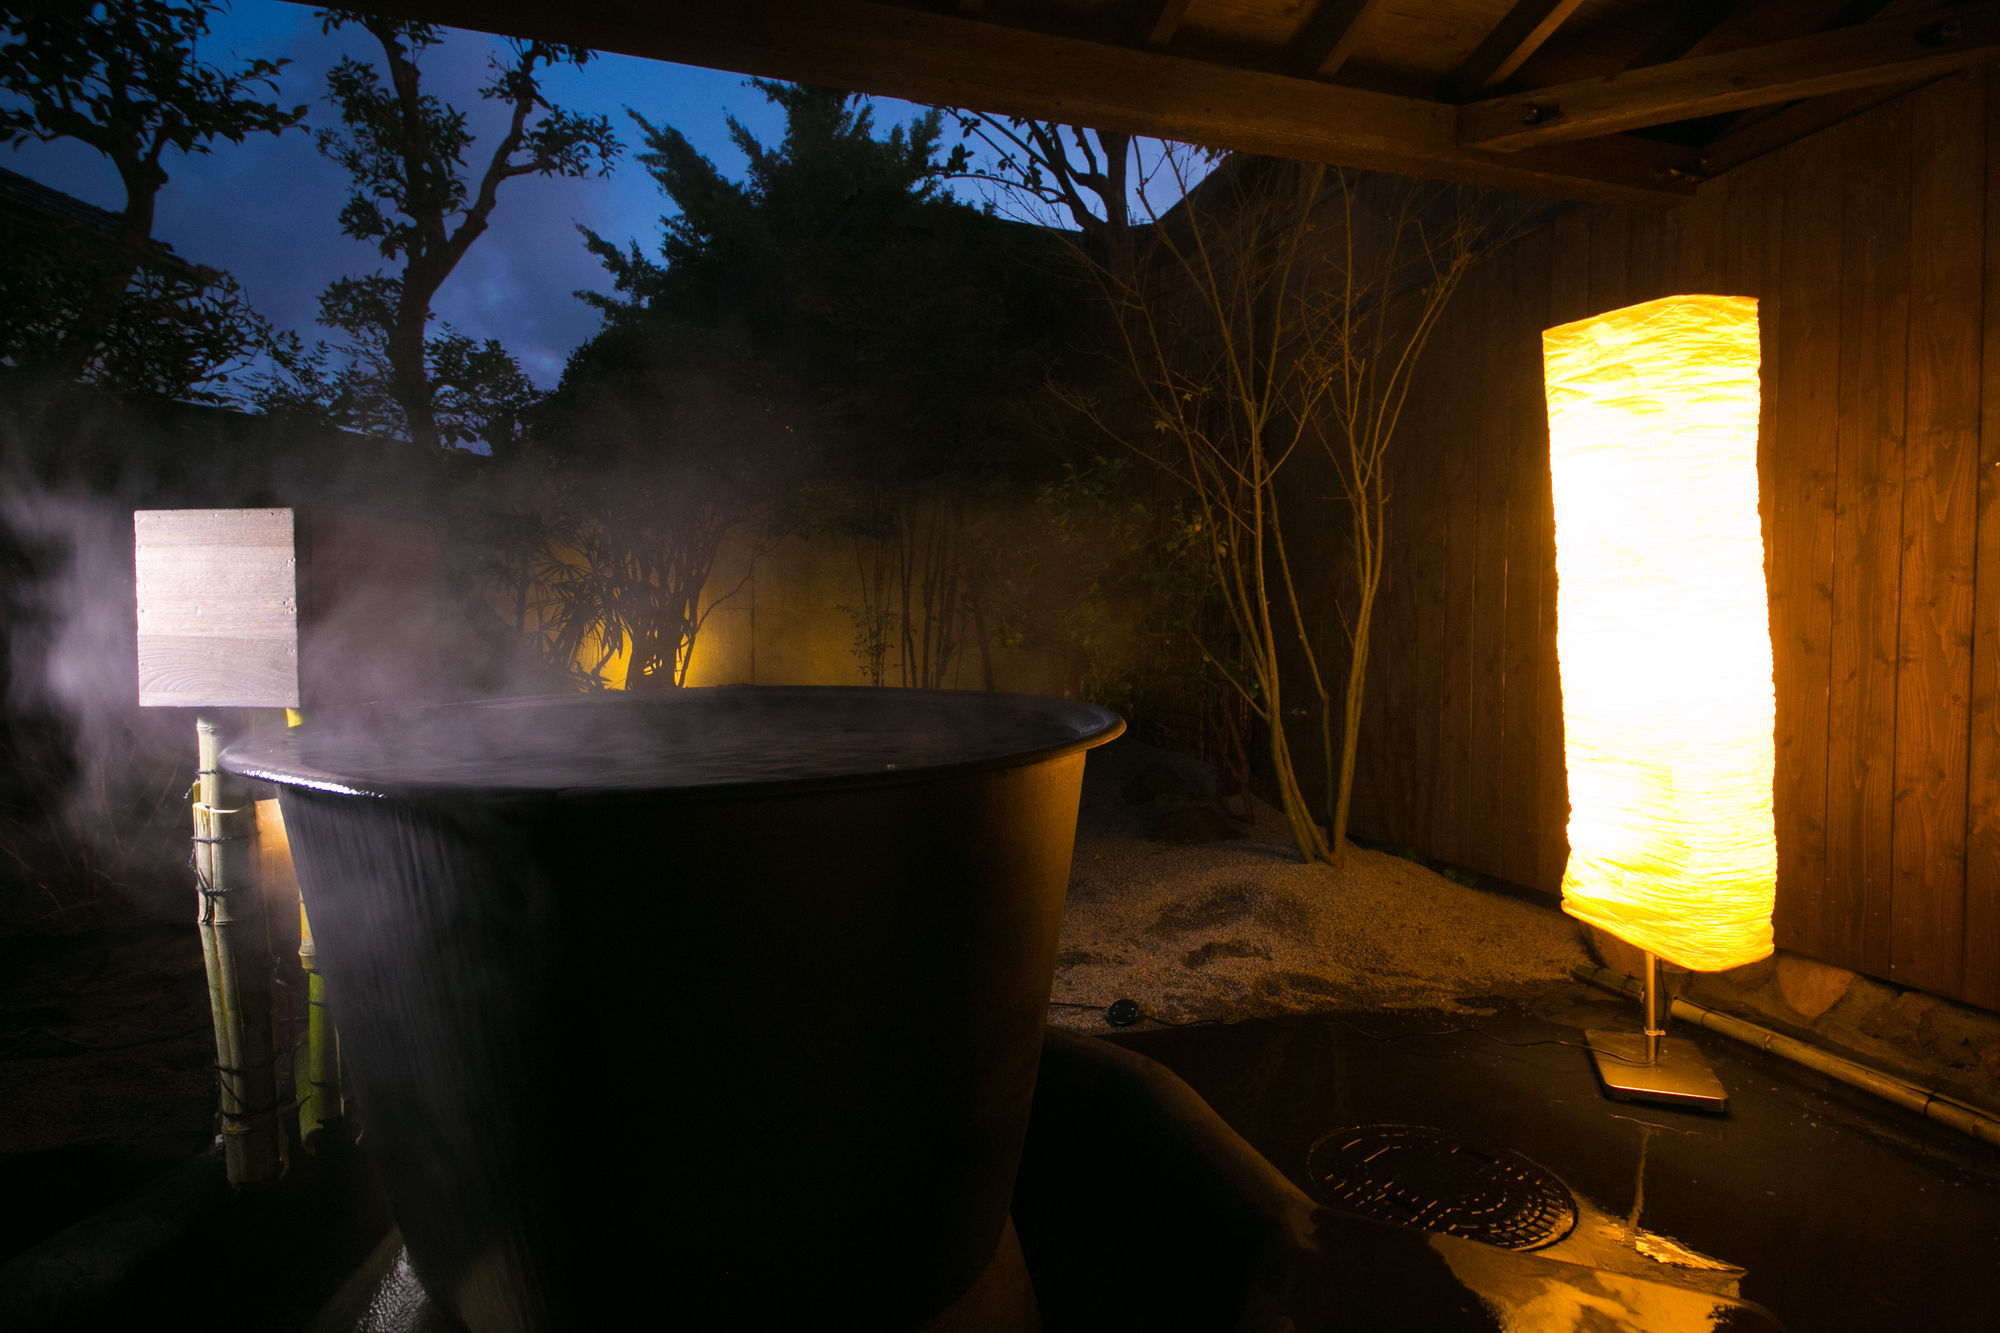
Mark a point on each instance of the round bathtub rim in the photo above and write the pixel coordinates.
(271, 758)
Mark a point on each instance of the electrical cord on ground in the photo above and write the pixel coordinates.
(14, 1039)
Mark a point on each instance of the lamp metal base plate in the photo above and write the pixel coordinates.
(1680, 1077)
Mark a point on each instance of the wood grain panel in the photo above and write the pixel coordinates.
(1652, 257)
(1379, 782)
(1874, 278)
(1530, 523)
(217, 607)
(1610, 252)
(1418, 507)
(1981, 953)
(1801, 392)
(1401, 707)
(1735, 250)
(1492, 443)
(1459, 476)
(1939, 494)
(1753, 227)
(1570, 299)
(1700, 255)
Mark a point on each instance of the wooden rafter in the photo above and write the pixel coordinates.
(1864, 55)
(1166, 22)
(1795, 122)
(1828, 110)
(944, 59)
(1328, 37)
(1516, 37)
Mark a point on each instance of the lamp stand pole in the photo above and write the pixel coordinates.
(1645, 1066)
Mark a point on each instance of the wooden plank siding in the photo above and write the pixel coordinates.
(1497, 430)
(1530, 512)
(1458, 535)
(1799, 453)
(1874, 280)
(1939, 490)
(1570, 270)
(1419, 555)
(1982, 849)
(1874, 249)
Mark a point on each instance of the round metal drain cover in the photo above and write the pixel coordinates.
(1428, 1179)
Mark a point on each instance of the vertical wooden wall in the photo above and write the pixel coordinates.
(1874, 248)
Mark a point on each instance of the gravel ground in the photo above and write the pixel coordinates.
(1239, 928)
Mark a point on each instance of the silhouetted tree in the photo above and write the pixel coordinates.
(405, 149)
(913, 326)
(1068, 176)
(108, 304)
(478, 391)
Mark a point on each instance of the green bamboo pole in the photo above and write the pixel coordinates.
(322, 1103)
(236, 953)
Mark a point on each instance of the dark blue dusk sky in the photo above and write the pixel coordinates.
(266, 209)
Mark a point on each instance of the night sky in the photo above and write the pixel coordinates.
(266, 210)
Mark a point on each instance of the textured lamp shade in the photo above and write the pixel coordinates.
(1662, 629)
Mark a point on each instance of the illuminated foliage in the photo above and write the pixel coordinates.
(647, 462)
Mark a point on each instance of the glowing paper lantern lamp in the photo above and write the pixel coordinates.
(1663, 638)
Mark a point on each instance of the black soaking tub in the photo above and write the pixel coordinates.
(723, 1005)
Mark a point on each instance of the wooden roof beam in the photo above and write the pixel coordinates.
(1516, 37)
(1328, 37)
(1743, 125)
(1897, 50)
(1793, 123)
(1167, 22)
(942, 59)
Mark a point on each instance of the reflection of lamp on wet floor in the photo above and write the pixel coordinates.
(1664, 642)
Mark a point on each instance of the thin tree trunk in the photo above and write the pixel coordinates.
(1350, 740)
(409, 379)
(1311, 843)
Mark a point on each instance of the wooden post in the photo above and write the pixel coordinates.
(236, 950)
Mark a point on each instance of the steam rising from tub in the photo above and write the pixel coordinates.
(92, 813)
(94, 780)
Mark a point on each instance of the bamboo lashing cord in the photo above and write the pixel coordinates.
(238, 967)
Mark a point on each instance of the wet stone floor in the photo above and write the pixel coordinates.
(1829, 1209)
(1832, 1210)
